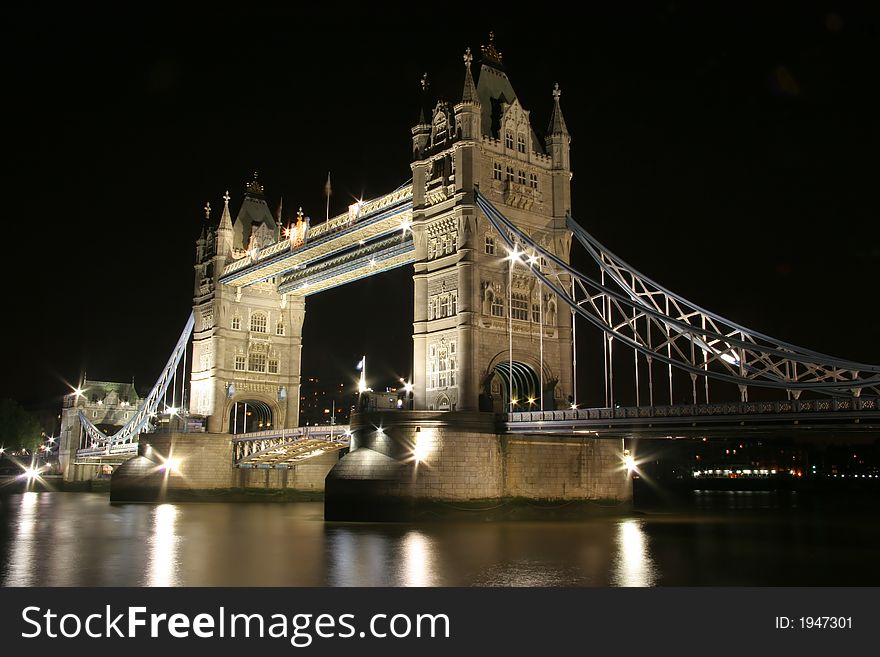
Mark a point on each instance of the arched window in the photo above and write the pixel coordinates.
(497, 306)
(496, 171)
(279, 328)
(521, 177)
(257, 362)
(519, 306)
(490, 245)
(258, 323)
(508, 140)
(521, 143)
(236, 323)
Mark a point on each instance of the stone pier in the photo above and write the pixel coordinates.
(202, 464)
(399, 461)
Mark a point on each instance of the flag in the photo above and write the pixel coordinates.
(360, 364)
(327, 189)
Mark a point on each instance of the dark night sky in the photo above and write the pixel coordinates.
(730, 154)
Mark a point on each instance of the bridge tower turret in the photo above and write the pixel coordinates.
(468, 307)
(246, 341)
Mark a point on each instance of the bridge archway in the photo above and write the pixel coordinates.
(248, 415)
(495, 395)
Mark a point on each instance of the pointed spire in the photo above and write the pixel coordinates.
(426, 85)
(226, 218)
(206, 222)
(469, 95)
(557, 123)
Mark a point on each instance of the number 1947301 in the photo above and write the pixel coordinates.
(814, 622)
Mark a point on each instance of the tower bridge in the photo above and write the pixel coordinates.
(486, 223)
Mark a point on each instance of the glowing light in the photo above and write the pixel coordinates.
(372, 262)
(31, 473)
(405, 225)
(533, 260)
(171, 465)
(2, 450)
(515, 401)
(78, 392)
(574, 407)
(629, 461)
(422, 447)
(730, 358)
(514, 254)
(531, 400)
(171, 410)
(408, 387)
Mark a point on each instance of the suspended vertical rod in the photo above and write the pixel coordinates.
(510, 332)
(705, 361)
(605, 344)
(669, 353)
(635, 351)
(574, 358)
(650, 363)
(183, 383)
(541, 329)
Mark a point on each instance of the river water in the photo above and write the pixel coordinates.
(714, 538)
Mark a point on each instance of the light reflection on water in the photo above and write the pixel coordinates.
(633, 566)
(67, 539)
(22, 566)
(162, 563)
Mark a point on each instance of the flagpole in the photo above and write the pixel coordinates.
(327, 192)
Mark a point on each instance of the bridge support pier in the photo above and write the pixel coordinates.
(402, 464)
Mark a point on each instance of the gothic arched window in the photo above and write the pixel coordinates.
(257, 362)
(508, 140)
(258, 323)
(521, 143)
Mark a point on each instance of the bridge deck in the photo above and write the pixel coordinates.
(371, 221)
(855, 414)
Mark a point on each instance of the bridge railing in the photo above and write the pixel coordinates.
(248, 444)
(830, 405)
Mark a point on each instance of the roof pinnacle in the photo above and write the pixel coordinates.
(557, 122)
(469, 94)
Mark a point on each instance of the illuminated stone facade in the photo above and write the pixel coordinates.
(466, 300)
(246, 341)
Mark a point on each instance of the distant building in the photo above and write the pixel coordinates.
(108, 405)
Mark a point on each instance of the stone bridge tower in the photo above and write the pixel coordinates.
(466, 299)
(246, 341)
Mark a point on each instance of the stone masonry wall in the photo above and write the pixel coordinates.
(307, 476)
(565, 468)
(205, 459)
